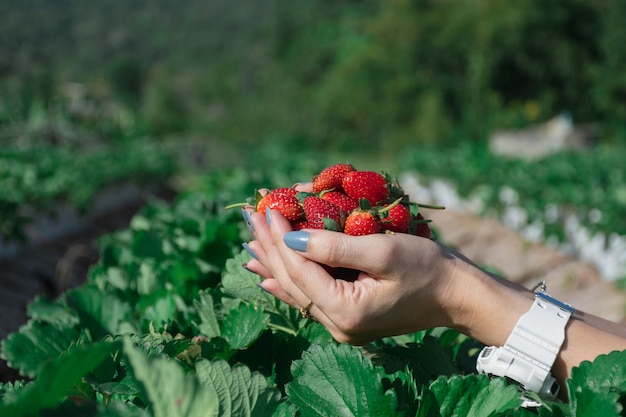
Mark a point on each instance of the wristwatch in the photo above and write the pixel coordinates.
(531, 348)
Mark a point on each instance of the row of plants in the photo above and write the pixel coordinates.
(169, 323)
(36, 177)
(588, 186)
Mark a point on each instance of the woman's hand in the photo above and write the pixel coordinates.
(405, 284)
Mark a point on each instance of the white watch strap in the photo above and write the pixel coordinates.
(533, 345)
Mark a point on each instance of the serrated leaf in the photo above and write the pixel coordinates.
(605, 372)
(169, 391)
(336, 380)
(44, 309)
(600, 381)
(471, 396)
(36, 343)
(102, 313)
(240, 283)
(243, 325)
(243, 284)
(209, 326)
(57, 379)
(241, 393)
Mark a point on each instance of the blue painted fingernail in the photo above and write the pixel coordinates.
(297, 240)
(250, 251)
(261, 287)
(268, 215)
(247, 219)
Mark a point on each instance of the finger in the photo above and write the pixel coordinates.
(273, 287)
(257, 267)
(306, 187)
(370, 253)
(305, 280)
(271, 258)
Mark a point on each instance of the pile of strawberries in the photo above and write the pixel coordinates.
(351, 201)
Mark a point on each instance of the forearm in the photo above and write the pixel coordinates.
(492, 306)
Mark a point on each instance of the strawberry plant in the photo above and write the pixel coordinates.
(169, 323)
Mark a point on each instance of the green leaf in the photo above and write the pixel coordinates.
(169, 391)
(243, 325)
(243, 284)
(604, 373)
(44, 309)
(599, 383)
(241, 393)
(57, 379)
(470, 396)
(590, 403)
(103, 313)
(240, 283)
(209, 326)
(336, 380)
(36, 343)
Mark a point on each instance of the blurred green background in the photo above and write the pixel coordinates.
(328, 75)
(95, 92)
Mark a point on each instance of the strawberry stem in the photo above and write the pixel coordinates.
(429, 206)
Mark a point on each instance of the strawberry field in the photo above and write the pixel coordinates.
(169, 323)
(98, 108)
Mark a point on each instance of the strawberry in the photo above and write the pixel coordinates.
(262, 201)
(330, 178)
(343, 201)
(419, 226)
(362, 222)
(322, 214)
(300, 224)
(396, 219)
(288, 205)
(369, 185)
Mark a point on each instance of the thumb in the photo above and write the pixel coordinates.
(370, 253)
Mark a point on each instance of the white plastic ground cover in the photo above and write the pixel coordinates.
(606, 253)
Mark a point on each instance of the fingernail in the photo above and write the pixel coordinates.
(297, 240)
(261, 287)
(268, 215)
(246, 217)
(250, 251)
(245, 266)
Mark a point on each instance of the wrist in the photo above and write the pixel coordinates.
(487, 307)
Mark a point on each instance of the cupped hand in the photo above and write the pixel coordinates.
(406, 283)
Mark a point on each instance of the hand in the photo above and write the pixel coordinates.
(405, 283)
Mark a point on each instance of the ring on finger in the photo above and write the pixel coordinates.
(304, 311)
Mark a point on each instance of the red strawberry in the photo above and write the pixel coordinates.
(288, 205)
(322, 214)
(263, 201)
(343, 201)
(396, 219)
(330, 177)
(366, 184)
(362, 222)
(300, 224)
(285, 190)
(419, 227)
